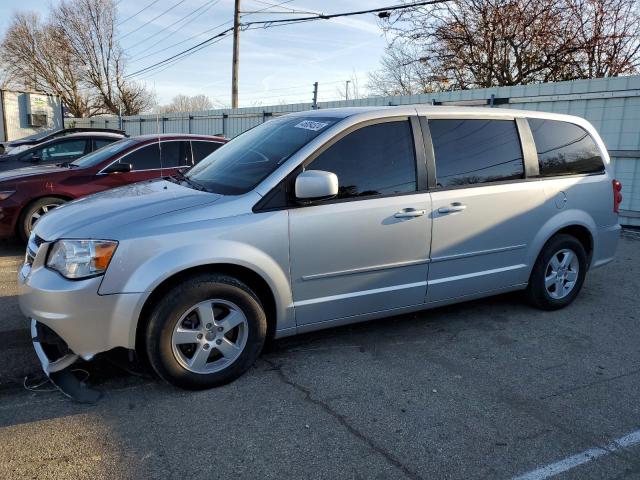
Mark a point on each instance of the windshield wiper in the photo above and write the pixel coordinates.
(181, 177)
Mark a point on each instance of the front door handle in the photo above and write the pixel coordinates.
(409, 213)
(454, 207)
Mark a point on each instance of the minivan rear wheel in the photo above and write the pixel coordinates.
(558, 274)
(206, 332)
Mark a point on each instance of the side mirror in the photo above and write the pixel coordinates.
(118, 168)
(35, 159)
(316, 185)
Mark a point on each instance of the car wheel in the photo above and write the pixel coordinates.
(558, 274)
(33, 212)
(205, 332)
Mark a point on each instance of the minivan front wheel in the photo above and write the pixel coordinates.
(558, 274)
(205, 332)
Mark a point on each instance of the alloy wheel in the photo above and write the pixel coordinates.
(561, 273)
(209, 336)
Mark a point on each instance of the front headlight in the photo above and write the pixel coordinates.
(6, 194)
(81, 258)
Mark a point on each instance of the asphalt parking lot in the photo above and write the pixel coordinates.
(486, 389)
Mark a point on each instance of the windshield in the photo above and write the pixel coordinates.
(104, 153)
(240, 165)
(36, 136)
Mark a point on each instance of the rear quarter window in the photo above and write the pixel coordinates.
(564, 148)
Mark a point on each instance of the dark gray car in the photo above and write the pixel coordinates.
(58, 150)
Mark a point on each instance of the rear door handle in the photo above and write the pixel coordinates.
(454, 207)
(409, 213)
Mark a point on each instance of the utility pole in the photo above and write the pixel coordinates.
(346, 90)
(236, 54)
(314, 106)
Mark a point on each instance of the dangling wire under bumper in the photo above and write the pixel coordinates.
(59, 370)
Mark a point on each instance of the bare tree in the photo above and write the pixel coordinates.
(484, 43)
(73, 54)
(201, 102)
(404, 71)
(608, 32)
(6, 79)
(351, 90)
(186, 103)
(36, 57)
(89, 27)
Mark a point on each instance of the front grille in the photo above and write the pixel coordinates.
(32, 248)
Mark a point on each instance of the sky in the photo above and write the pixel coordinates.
(277, 65)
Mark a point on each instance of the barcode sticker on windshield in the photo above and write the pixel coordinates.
(310, 125)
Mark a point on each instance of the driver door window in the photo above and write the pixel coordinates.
(372, 161)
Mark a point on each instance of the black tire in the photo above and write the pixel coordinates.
(24, 223)
(179, 300)
(536, 292)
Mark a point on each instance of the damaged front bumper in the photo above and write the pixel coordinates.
(88, 322)
(71, 320)
(57, 360)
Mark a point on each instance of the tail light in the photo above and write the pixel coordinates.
(617, 196)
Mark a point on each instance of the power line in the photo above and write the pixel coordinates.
(270, 23)
(172, 60)
(208, 5)
(153, 19)
(165, 64)
(138, 12)
(288, 9)
(322, 16)
(137, 59)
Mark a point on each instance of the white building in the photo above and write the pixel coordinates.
(25, 113)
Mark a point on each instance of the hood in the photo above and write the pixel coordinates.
(104, 214)
(15, 169)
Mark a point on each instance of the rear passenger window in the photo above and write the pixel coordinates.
(374, 160)
(175, 154)
(145, 158)
(564, 148)
(470, 152)
(203, 149)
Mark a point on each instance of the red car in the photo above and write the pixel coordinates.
(28, 193)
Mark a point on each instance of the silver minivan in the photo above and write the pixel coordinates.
(317, 219)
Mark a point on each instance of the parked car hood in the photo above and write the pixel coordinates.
(15, 169)
(105, 214)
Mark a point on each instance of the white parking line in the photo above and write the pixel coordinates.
(581, 458)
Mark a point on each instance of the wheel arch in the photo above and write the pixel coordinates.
(583, 235)
(573, 222)
(251, 278)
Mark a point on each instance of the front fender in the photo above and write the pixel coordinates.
(141, 265)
